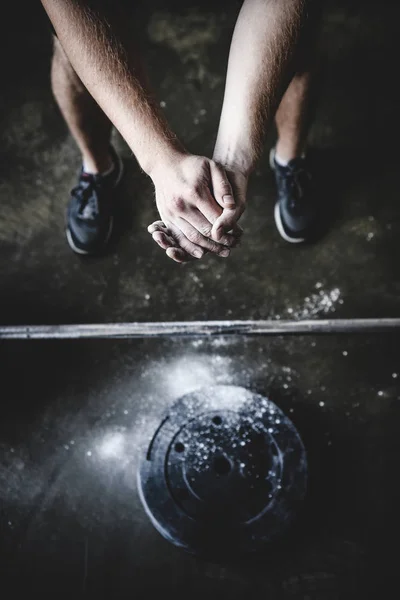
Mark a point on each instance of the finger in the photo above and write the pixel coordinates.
(163, 240)
(224, 223)
(159, 234)
(200, 240)
(183, 242)
(169, 244)
(178, 255)
(166, 240)
(204, 227)
(173, 239)
(156, 226)
(208, 207)
(222, 189)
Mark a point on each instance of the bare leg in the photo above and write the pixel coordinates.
(291, 118)
(88, 124)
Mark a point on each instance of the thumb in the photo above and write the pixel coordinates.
(222, 189)
(225, 222)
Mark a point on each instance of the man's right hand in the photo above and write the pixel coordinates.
(227, 219)
(191, 194)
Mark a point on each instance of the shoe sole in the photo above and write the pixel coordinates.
(272, 159)
(85, 252)
(281, 230)
(68, 233)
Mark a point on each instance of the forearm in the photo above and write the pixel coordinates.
(259, 64)
(109, 68)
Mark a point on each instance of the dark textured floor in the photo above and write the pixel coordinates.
(70, 520)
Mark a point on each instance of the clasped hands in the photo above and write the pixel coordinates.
(199, 202)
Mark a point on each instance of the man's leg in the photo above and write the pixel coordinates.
(293, 115)
(292, 118)
(296, 208)
(87, 123)
(91, 206)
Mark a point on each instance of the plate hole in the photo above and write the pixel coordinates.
(179, 447)
(217, 420)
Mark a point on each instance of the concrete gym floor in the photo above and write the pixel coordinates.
(70, 517)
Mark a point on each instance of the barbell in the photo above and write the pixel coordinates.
(169, 329)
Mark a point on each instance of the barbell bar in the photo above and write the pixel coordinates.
(169, 329)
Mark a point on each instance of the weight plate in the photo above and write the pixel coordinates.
(224, 472)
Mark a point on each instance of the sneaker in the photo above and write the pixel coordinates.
(295, 210)
(91, 208)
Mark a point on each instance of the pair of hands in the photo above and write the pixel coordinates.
(200, 203)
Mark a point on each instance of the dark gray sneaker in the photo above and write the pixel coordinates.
(90, 213)
(296, 207)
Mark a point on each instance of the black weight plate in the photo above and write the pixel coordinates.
(224, 472)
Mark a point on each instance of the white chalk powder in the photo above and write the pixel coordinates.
(111, 445)
(321, 303)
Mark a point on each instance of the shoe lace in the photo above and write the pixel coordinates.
(297, 180)
(86, 192)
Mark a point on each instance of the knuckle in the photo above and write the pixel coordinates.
(225, 223)
(225, 190)
(205, 231)
(202, 162)
(195, 237)
(180, 239)
(184, 242)
(187, 247)
(218, 167)
(227, 240)
(178, 203)
(194, 191)
(214, 247)
(198, 190)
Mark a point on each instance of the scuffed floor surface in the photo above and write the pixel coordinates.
(76, 415)
(354, 267)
